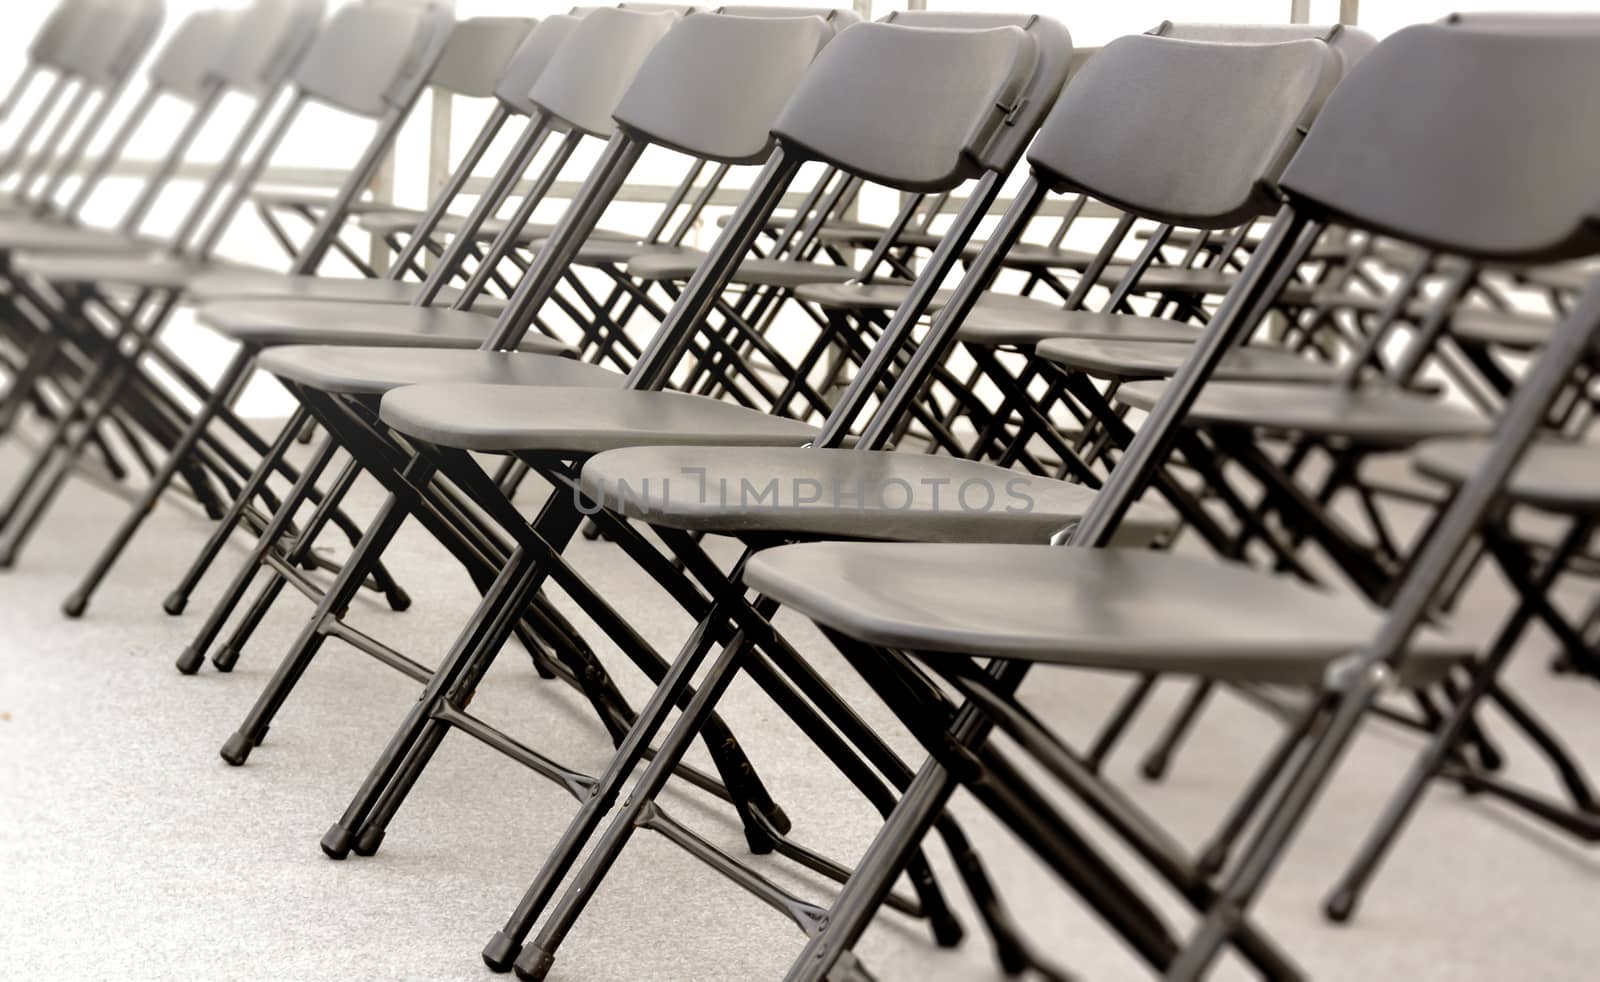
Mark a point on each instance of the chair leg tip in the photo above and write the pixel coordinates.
(337, 841)
(500, 954)
(175, 604)
(399, 600)
(74, 606)
(190, 661)
(237, 750)
(368, 842)
(534, 964)
(226, 658)
(1339, 907)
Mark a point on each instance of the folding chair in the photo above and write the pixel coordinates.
(252, 52)
(984, 132)
(371, 61)
(1519, 190)
(94, 49)
(1292, 79)
(308, 308)
(588, 68)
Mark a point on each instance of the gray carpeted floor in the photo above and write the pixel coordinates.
(129, 850)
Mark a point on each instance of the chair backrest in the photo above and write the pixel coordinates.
(1057, 60)
(269, 38)
(714, 85)
(958, 98)
(478, 53)
(1186, 132)
(1349, 43)
(109, 40)
(573, 92)
(184, 66)
(60, 27)
(1499, 165)
(370, 52)
(532, 58)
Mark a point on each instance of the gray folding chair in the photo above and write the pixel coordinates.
(94, 53)
(1517, 191)
(371, 61)
(250, 52)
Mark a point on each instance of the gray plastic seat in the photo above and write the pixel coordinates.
(843, 493)
(269, 324)
(1371, 417)
(509, 418)
(1123, 609)
(991, 326)
(753, 271)
(269, 287)
(1556, 475)
(137, 271)
(1127, 360)
(363, 370)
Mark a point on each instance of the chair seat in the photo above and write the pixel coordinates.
(1038, 255)
(621, 252)
(753, 271)
(856, 494)
(26, 234)
(851, 295)
(360, 370)
(344, 289)
(890, 294)
(1556, 475)
(1022, 326)
(403, 220)
(1378, 417)
(510, 418)
(139, 271)
(1123, 609)
(1126, 360)
(269, 323)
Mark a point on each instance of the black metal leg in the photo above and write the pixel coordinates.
(538, 956)
(343, 589)
(194, 655)
(232, 377)
(178, 599)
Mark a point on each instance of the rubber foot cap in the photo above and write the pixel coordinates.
(237, 750)
(336, 842)
(226, 659)
(174, 604)
(190, 661)
(399, 600)
(1340, 907)
(368, 841)
(75, 605)
(534, 964)
(501, 952)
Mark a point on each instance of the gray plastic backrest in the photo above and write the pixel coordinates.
(1056, 62)
(48, 44)
(183, 67)
(839, 17)
(910, 107)
(366, 52)
(587, 77)
(269, 37)
(1187, 132)
(1482, 142)
(1349, 43)
(478, 53)
(530, 61)
(111, 39)
(682, 97)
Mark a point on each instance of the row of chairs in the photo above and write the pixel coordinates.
(1158, 454)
